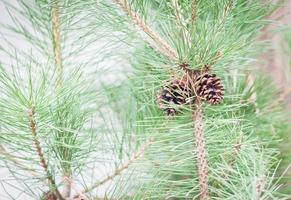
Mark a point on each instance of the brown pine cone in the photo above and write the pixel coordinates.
(177, 92)
(210, 88)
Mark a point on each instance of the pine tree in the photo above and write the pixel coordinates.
(180, 114)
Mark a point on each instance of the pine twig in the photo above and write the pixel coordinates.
(194, 8)
(57, 41)
(226, 11)
(202, 164)
(260, 185)
(56, 31)
(165, 48)
(43, 163)
(68, 186)
(182, 25)
(121, 168)
(79, 195)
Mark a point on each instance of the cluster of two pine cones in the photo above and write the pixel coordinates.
(193, 86)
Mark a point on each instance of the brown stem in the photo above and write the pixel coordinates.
(194, 8)
(56, 31)
(202, 164)
(68, 186)
(185, 66)
(260, 185)
(165, 48)
(43, 163)
(227, 8)
(57, 41)
(181, 23)
(79, 194)
(121, 168)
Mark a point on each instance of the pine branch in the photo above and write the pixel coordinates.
(121, 168)
(260, 185)
(57, 41)
(165, 48)
(32, 125)
(202, 164)
(194, 8)
(68, 186)
(55, 12)
(79, 194)
(181, 23)
(226, 11)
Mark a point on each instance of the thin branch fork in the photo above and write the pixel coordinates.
(43, 163)
(202, 164)
(165, 48)
(121, 168)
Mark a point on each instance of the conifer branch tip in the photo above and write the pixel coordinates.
(165, 48)
(43, 163)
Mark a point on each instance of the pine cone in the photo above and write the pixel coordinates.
(177, 92)
(210, 88)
